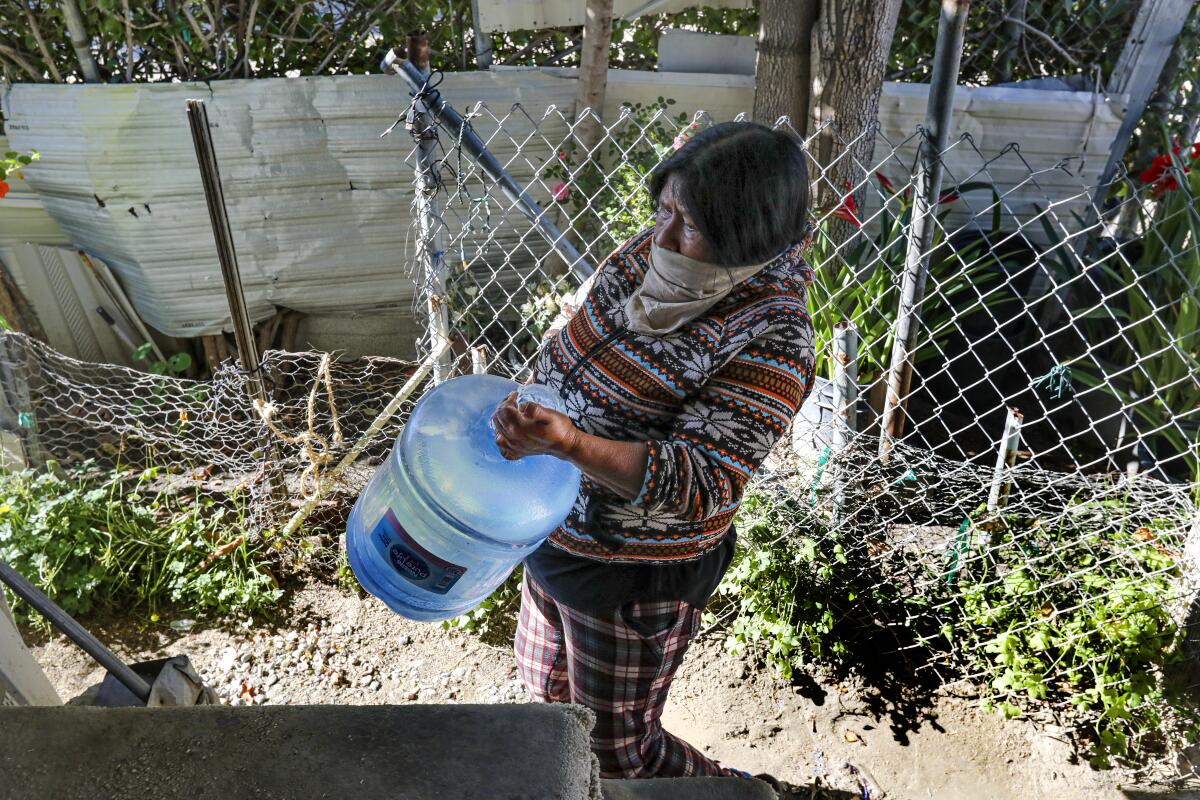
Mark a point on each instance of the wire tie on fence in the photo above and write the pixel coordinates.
(821, 462)
(316, 447)
(957, 553)
(1057, 381)
(25, 420)
(908, 476)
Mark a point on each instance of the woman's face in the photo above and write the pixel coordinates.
(674, 228)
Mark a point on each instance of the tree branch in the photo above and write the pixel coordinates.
(47, 56)
(1043, 35)
(20, 61)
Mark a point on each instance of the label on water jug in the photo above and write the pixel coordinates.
(413, 562)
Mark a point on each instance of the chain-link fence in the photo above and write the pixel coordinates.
(1027, 526)
(1043, 554)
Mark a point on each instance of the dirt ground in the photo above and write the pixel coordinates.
(332, 646)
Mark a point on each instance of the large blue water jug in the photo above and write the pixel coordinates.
(447, 518)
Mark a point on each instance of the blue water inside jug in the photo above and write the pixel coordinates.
(447, 518)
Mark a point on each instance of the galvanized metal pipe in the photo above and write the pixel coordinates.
(231, 276)
(429, 216)
(483, 40)
(491, 167)
(845, 405)
(214, 196)
(938, 116)
(74, 631)
(1006, 457)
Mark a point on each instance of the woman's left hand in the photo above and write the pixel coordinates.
(532, 430)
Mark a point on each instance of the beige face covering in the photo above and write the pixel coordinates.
(678, 289)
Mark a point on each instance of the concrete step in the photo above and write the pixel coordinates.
(441, 752)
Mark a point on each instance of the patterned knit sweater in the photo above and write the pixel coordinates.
(709, 400)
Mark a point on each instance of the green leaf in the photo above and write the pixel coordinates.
(180, 362)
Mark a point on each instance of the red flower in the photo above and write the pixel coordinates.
(947, 197)
(1156, 169)
(3, 189)
(562, 155)
(562, 191)
(1161, 176)
(885, 183)
(848, 210)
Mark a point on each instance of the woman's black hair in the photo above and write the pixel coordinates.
(745, 187)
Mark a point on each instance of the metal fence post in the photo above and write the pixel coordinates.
(1006, 456)
(463, 134)
(946, 60)
(243, 331)
(429, 216)
(845, 405)
(483, 40)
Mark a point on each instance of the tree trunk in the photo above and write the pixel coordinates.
(851, 43)
(593, 72)
(783, 65)
(80, 41)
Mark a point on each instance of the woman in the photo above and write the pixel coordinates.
(687, 357)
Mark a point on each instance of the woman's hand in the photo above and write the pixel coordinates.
(532, 430)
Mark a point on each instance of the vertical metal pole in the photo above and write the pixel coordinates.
(243, 331)
(946, 60)
(483, 40)
(845, 405)
(1014, 31)
(1006, 457)
(429, 215)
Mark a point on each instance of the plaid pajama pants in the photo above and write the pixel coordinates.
(621, 666)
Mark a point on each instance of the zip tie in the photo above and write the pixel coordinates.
(821, 462)
(957, 554)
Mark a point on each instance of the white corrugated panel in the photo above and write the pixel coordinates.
(1071, 129)
(38, 255)
(521, 15)
(320, 205)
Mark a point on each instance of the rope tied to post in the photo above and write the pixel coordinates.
(317, 450)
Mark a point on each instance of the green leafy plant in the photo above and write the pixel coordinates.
(176, 364)
(605, 196)
(94, 538)
(800, 593)
(1071, 614)
(860, 281)
(1077, 612)
(495, 619)
(1153, 352)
